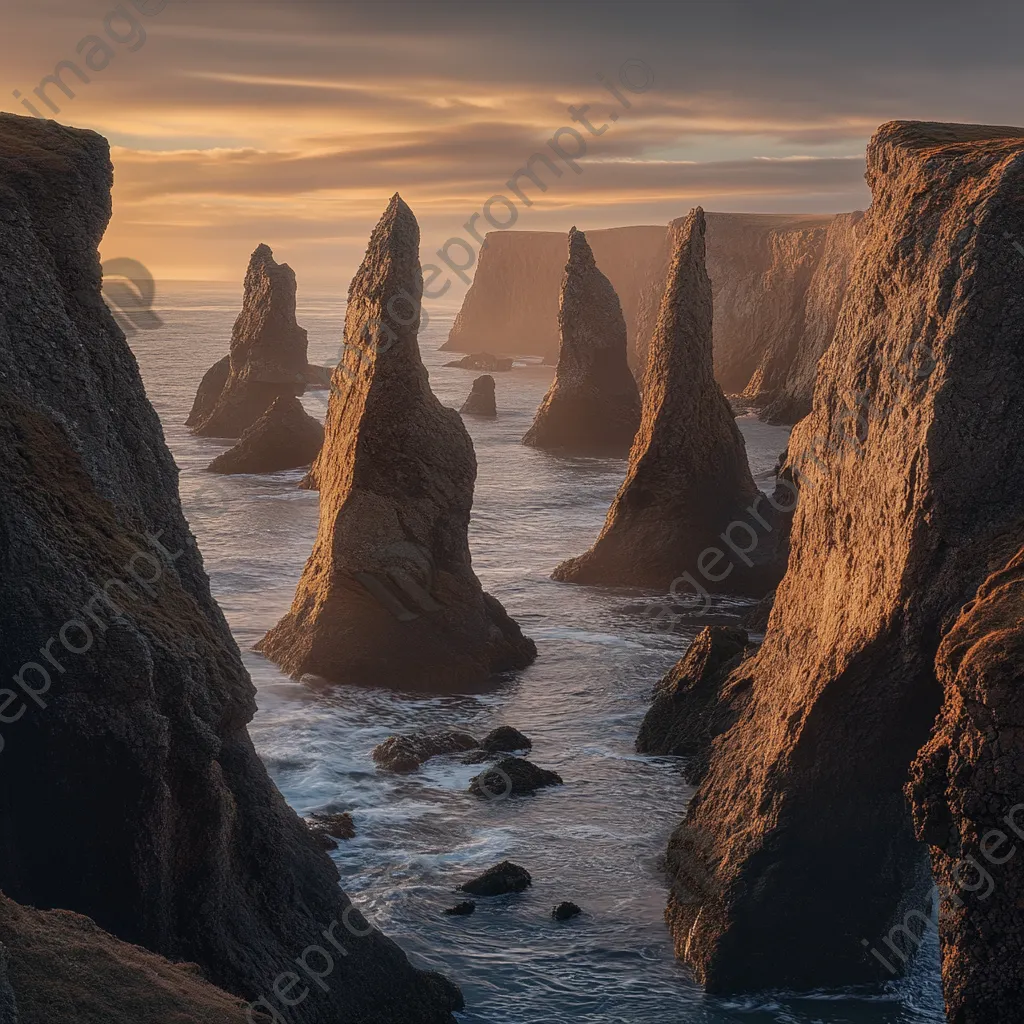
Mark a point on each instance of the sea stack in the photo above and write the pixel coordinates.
(481, 399)
(688, 477)
(284, 437)
(592, 406)
(129, 731)
(388, 596)
(797, 862)
(267, 358)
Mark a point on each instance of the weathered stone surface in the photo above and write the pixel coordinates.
(503, 878)
(688, 476)
(798, 848)
(690, 706)
(135, 743)
(512, 776)
(967, 794)
(482, 361)
(337, 826)
(267, 358)
(481, 399)
(284, 437)
(388, 595)
(592, 406)
(505, 739)
(407, 753)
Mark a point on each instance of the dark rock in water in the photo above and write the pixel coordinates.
(800, 843)
(688, 479)
(505, 739)
(592, 406)
(965, 791)
(407, 753)
(136, 744)
(502, 878)
(481, 399)
(389, 594)
(566, 911)
(482, 361)
(337, 826)
(690, 707)
(512, 776)
(267, 358)
(284, 437)
(463, 909)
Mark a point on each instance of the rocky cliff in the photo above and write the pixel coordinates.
(284, 437)
(388, 595)
(129, 787)
(267, 357)
(592, 406)
(798, 853)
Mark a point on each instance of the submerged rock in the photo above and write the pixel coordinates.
(512, 776)
(407, 753)
(503, 878)
(388, 595)
(566, 911)
(910, 478)
(463, 909)
(337, 826)
(133, 738)
(482, 361)
(592, 406)
(481, 399)
(284, 437)
(688, 480)
(505, 739)
(267, 358)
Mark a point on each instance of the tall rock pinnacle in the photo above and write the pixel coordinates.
(688, 476)
(592, 406)
(388, 595)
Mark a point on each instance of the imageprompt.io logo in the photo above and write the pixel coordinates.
(129, 291)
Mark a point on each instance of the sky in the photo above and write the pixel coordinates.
(236, 122)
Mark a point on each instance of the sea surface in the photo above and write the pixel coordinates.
(599, 839)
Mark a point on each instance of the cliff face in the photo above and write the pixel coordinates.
(798, 848)
(127, 725)
(966, 794)
(284, 437)
(592, 406)
(388, 595)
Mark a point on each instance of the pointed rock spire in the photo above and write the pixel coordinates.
(388, 595)
(592, 406)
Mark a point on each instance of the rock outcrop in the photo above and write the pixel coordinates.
(481, 399)
(967, 794)
(503, 878)
(798, 853)
(512, 776)
(405, 754)
(267, 357)
(284, 437)
(482, 361)
(388, 595)
(505, 739)
(592, 406)
(688, 477)
(127, 726)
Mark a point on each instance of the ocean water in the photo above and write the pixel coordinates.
(599, 839)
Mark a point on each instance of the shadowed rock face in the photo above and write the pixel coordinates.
(798, 848)
(284, 437)
(267, 358)
(688, 476)
(592, 406)
(967, 793)
(388, 596)
(132, 733)
(481, 399)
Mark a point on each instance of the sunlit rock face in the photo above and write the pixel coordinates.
(267, 358)
(127, 725)
(592, 406)
(798, 852)
(388, 596)
(688, 476)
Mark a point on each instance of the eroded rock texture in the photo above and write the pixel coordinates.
(592, 406)
(129, 788)
(267, 358)
(967, 794)
(688, 476)
(284, 437)
(798, 849)
(481, 399)
(388, 595)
